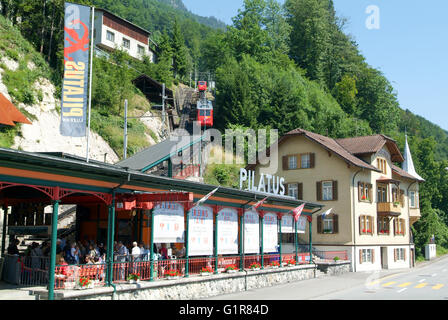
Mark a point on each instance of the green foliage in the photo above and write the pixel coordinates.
(7, 135)
(223, 175)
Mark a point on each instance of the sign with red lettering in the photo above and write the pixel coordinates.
(287, 223)
(227, 231)
(200, 232)
(76, 70)
(169, 222)
(270, 234)
(251, 232)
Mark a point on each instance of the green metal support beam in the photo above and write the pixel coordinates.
(295, 240)
(241, 242)
(280, 241)
(262, 242)
(216, 243)
(310, 224)
(151, 268)
(54, 236)
(187, 260)
(5, 222)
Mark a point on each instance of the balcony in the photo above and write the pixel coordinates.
(414, 215)
(388, 208)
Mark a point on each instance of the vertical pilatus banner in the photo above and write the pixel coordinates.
(76, 70)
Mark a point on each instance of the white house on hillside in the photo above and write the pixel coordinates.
(113, 32)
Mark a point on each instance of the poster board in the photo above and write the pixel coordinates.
(228, 231)
(270, 234)
(251, 232)
(200, 233)
(169, 222)
(287, 224)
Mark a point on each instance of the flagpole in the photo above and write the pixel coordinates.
(90, 83)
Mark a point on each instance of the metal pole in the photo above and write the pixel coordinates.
(54, 235)
(295, 240)
(5, 215)
(186, 245)
(108, 270)
(170, 168)
(242, 242)
(280, 242)
(310, 224)
(216, 243)
(151, 269)
(262, 241)
(125, 138)
(90, 83)
(112, 237)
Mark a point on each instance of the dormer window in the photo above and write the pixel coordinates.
(382, 165)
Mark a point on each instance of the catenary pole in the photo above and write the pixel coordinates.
(90, 83)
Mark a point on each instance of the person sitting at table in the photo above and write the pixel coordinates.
(164, 251)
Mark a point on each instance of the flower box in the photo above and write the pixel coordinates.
(206, 271)
(173, 277)
(255, 266)
(231, 268)
(172, 274)
(231, 271)
(84, 283)
(134, 281)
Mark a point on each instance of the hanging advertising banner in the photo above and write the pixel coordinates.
(200, 232)
(287, 224)
(76, 70)
(301, 224)
(227, 231)
(270, 234)
(169, 222)
(251, 232)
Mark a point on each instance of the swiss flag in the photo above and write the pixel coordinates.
(298, 211)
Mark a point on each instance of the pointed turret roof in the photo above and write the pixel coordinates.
(408, 164)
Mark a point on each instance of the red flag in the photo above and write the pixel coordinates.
(258, 204)
(203, 199)
(298, 211)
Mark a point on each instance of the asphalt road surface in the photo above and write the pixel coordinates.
(427, 281)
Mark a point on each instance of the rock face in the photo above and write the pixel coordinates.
(43, 134)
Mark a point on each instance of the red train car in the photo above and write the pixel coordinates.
(205, 113)
(202, 85)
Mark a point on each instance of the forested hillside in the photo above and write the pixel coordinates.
(276, 66)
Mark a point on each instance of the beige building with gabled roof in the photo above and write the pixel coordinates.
(373, 201)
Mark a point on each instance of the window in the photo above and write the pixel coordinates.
(126, 43)
(382, 165)
(383, 225)
(305, 160)
(366, 255)
(413, 199)
(382, 193)
(293, 189)
(110, 36)
(399, 226)
(292, 162)
(399, 254)
(141, 50)
(327, 190)
(365, 224)
(328, 224)
(364, 191)
(207, 113)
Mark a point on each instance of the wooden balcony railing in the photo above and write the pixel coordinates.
(388, 207)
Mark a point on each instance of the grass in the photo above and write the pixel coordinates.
(7, 135)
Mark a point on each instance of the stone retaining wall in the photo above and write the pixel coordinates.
(194, 287)
(334, 267)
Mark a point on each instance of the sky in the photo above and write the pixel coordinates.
(409, 45)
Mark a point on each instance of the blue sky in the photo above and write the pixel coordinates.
(410, 47)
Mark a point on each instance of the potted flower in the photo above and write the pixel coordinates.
(231, 268)
(291, 262)
(84, 283)
(363, 197)
(274, 264)
(134, 278)
(336, 259)
(396, 203)
(205, 271)
(172, 274)
(369, 231)
(255, 266)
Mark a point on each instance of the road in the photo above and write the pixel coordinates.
(427, 281)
